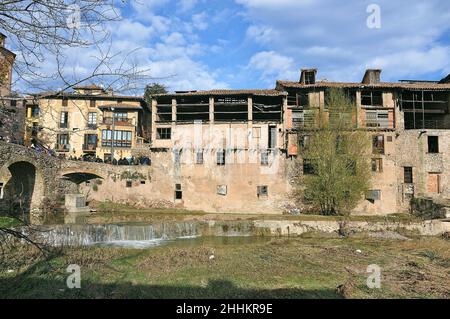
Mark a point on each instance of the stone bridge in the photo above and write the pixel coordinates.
(30, 180)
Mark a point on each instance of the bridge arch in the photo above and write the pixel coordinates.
(23, 187)
(78, 177)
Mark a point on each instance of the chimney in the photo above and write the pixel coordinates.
(372, 76)
(308, 76)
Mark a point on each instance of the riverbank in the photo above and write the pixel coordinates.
(302, 267)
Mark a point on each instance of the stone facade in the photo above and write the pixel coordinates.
(81, 123)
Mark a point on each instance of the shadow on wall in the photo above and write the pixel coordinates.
(19, 190)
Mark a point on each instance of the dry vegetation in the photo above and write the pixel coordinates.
(273, 268)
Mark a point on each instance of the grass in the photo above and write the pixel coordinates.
(108, 212)
(8, 222)
(275, 268)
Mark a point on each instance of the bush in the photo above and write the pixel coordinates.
(426, 209)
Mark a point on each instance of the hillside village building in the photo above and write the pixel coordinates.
(234, 150)
(81, 123)
(11, 104)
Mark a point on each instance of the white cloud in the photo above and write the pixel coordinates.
(333, 35)
(272, 65)
(200, 21)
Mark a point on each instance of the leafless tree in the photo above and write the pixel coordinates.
(42, 32)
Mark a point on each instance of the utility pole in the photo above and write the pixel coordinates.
(112, 137)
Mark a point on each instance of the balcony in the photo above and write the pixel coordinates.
(62, 147)
(117, 143)
(118, 121)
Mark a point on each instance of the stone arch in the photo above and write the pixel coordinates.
(23, 187)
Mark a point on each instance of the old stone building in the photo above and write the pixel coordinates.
(81, 123)
(233, 150)
(409, 122)
(12, 105)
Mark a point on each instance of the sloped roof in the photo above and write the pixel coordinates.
(121, 106)
(381, 85)
(226, 92)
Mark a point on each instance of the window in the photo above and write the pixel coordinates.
(264, 158)
(129, 184)
(121, 116)
(262, 191)
(408, 175)
(371, 98)
(62, 141)
(142, 182)
(433, 144)
(92, 103)
(272, 136)
(378, 144)
(1, 190)
(222, 190)
(164, 133)
(178, 192)
(297, 119)
(221, 157)
(377, 165)
(13, 103)
(308, 167)
(65, 102)
(434, 183)
(92, 119)
(90, 142)
(377, 119)
(64, 119)
(199, 157)
(373, 195)
(121, 138)
(303, 99)
(389, 138)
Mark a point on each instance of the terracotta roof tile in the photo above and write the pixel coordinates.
(227, 92)
(381, 85)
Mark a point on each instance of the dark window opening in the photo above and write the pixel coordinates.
(92, 103)
(129, 184)
(433, 144)
(272, 137)
(371, 98)
(164, 133)
(408, 175)
(164, 110)
(267, 108)
(178, 192)
(142, 182)
(199, 158)
(262, 191)
(377, 165)
(378, 144)
(190, 109)
(230, 108)
(221, 157)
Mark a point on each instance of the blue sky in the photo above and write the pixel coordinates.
(206, 44)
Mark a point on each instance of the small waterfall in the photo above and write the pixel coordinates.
(141, 235)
